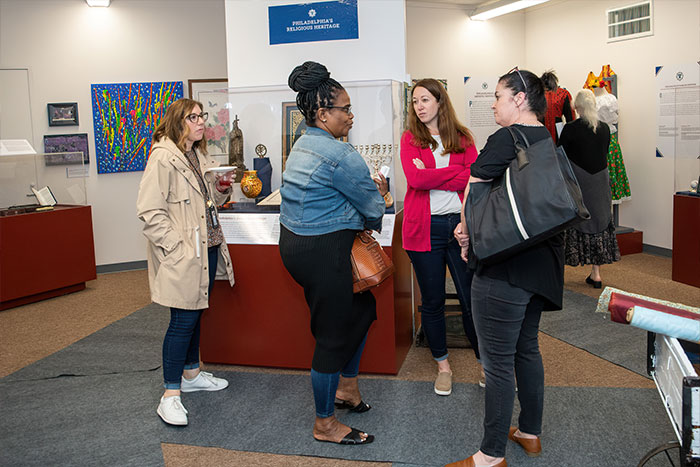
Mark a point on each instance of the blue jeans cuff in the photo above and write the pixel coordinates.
(439, 359)
(191, 366)
(171, 385)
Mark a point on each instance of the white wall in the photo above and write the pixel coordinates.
(443, 43)
(570, 36)
(378, 53)
(68, 46)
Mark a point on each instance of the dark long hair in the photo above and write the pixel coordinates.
(174, 127)
(451, 130)
(314, 87)
(533, 87)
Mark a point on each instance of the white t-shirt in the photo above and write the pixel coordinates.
(441, 201)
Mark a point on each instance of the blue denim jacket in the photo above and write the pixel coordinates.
(326, 187)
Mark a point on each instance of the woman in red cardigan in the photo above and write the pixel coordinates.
(436, 153)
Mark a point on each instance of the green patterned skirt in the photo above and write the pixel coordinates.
(619, 185)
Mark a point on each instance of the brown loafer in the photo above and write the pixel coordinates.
(470, 463)
(532, 447)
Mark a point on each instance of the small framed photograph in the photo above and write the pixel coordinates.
(66, 149)
(63, 114)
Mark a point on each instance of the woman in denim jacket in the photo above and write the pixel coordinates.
(328, 196)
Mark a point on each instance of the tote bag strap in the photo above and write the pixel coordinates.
(520, 150)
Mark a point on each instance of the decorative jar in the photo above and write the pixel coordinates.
(251, 185)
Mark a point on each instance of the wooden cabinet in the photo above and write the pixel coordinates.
(45, 254)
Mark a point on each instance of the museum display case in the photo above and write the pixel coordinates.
(268, 116)
(45, 227)
(264, 319)
(686, 213)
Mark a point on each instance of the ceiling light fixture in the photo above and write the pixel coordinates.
(492, 9)
(104, 3)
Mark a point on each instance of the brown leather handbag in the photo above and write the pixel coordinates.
(370, 264)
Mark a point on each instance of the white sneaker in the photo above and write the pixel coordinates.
(172, 411)
(203, 382)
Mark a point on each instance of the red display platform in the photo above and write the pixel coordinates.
(264, 320)
(630, 243)
(685, 266)
(45, 254)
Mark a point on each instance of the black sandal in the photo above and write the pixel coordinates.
(353, 438)
(359, 408)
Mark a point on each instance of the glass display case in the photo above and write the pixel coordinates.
(686, 171)
(268, 115)
(63, 173)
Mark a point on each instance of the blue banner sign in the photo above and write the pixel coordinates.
(311, 22)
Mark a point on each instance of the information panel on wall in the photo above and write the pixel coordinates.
(479, 94)
(678, 111)
(311, 22)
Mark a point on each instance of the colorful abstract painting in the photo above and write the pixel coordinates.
(125, 116)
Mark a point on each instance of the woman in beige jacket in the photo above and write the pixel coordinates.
(186, 249)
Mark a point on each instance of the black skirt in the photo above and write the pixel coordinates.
(340, 319)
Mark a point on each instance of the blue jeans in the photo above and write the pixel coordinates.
(181, 343)
(430, 273)
(507, 321)
(325, 384)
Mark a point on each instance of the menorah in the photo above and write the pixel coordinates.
(376, 155)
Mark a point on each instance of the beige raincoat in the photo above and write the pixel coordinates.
(173, 210)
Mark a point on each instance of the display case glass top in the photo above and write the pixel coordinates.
(20, 175)
(268, 115)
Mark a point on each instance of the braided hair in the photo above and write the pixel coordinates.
(314, 87)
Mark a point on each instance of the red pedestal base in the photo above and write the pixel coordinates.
(45, 254)
(264, 319)
(630, 243)
(685, 266)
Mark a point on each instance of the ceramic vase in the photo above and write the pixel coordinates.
(251, 185)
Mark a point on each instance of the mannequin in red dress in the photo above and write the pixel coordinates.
(558, 103)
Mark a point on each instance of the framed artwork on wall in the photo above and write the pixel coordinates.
(125, 116)
(195, 86)
(62, 114)
(71, 149)
(216, 130)
(293, 126)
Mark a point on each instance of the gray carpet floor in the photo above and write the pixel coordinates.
(94, 402)
(579, 325)
(111, 420)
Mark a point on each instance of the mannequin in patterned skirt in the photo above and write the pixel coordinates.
(607, 113)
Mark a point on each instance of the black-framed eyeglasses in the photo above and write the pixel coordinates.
(193, 118)
(515, 68)
(347, 108)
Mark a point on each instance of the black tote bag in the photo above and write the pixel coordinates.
(537, 197)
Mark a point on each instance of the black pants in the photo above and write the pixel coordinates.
(340, 319)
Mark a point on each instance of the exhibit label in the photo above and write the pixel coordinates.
(313, 22)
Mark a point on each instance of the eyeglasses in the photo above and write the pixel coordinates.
(347, 109)
(194, 117)
(521, 76)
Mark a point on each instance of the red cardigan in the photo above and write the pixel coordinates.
(454, 177)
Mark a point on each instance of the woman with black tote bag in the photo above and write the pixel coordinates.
(509, 295)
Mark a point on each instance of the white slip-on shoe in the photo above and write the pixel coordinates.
(204, 381)
(172, 411)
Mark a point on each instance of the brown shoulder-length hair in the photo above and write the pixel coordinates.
(173, 125)
(451, 130)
